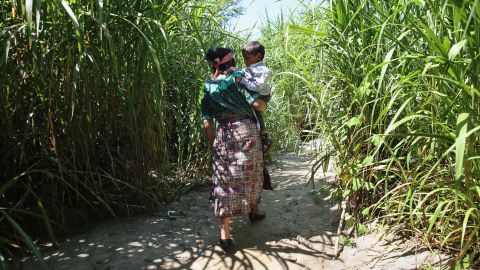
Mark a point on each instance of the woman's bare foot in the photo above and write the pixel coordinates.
(225, 242)
(225, 228)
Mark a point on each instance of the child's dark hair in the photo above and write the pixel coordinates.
(254, 47)
(219, 52)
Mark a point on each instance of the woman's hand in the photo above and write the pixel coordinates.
(230, 70)
(238, 79)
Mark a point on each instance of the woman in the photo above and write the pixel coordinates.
(236, 146)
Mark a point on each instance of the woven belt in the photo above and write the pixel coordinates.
(231, 118)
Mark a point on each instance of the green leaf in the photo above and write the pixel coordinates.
(46, 220)
(341, 13)
(465, 222)
(455, 49)
(367, 160)
(364, 89)
(464, 263)
(376, 140)
(461, 130)
(6, 186)
(432, 39)
(70, 13)
(3, 263)
(369, 185)
(366, 211)
(357, 183)
(303, 30)
(343, 240)
(386, 63)
(433, 219)
(478, 10)
(38, 9)
(26, 239)
(354, 121)
(28, 11)
(349, 221)
(362, 229)
(392, 124)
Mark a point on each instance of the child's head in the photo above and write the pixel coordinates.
(222, 58)
(253, 52)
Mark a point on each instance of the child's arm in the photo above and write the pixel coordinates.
(208, 128)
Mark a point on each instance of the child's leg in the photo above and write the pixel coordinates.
(260, 105)
(261, 122)
(266, 141)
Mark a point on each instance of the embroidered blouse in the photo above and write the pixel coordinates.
(256, 78)
(223, 94)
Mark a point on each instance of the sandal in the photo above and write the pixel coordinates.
(255, 217)
(226, 244)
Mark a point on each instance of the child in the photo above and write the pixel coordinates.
(256, 79)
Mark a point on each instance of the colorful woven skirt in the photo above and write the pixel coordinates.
(237, 168)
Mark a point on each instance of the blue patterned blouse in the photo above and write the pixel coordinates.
(223, 94)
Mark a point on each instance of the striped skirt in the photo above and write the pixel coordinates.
(237, 168)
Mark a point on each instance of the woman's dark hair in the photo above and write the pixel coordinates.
(253, 48)
(219, 52)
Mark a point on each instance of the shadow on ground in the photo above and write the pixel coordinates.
(296, 232)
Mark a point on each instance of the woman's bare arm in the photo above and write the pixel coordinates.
(208, 127)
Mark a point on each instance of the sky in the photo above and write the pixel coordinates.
(256, 10)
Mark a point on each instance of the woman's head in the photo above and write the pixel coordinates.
(222, 58)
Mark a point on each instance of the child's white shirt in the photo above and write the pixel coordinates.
(256, 78)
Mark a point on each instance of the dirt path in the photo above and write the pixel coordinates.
(298, 233)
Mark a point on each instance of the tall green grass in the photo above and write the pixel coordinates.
(99, 108)
(394, 87)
